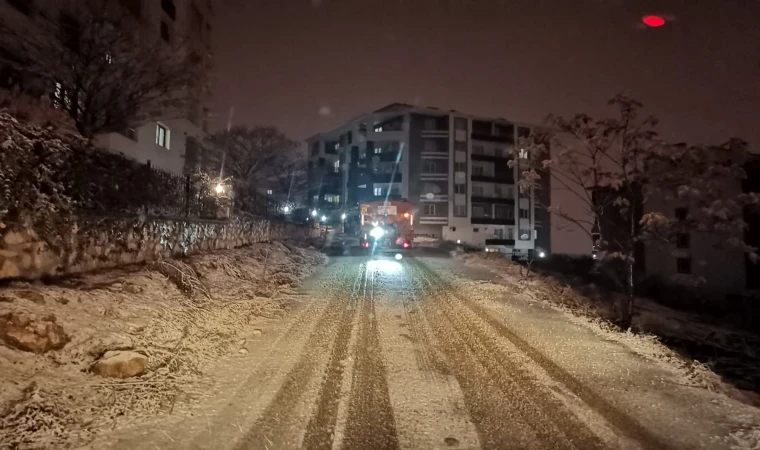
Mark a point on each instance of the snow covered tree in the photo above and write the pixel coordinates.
(625, 181)
(99, 64)
(252, 158)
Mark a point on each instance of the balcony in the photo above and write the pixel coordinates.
(488, 199)
(386, 177)
(490, 158)
(491, 221)
(507, 178)
(488, 137)
(504, 242)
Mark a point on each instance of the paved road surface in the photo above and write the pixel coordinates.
(386, 354)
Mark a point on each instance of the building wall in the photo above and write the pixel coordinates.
(429, 141)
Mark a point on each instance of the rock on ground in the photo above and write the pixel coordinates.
(120, 364)
(24, 332)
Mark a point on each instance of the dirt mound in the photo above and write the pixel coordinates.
(182, 314)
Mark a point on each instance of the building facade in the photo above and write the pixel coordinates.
(454, 167)
(162, 138)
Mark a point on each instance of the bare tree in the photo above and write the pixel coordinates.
(98, 64)
(291, 182)
(625, 181)
(252, 158)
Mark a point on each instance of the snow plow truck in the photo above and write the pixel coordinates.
(387, 226)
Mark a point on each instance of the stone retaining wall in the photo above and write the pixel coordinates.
(104, 242)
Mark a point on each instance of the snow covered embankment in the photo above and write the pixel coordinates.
(590, 306)
(133, 339)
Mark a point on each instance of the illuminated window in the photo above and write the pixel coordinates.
(378, 150)
(269, 192)
(336, 166)
(163, 136)
(378, 192)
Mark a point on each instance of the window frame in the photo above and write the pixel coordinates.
(166, 136)
(427, 207)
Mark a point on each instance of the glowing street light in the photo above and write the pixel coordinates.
(343, 216)
(219, 189)
(314, 213)
(286, 209)
(324, 218)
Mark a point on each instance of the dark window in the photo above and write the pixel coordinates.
(429, 209)
(315, 148)
(460, 188)
(25, 6)
(165, 31)
(71, 31)
(460, 211)
(133, 6)
(683, 265)
(453, 228)
(524, 214)
(460, 167)
(349, 137)
(430, 167)
(683, 240)
(169, 9)
(475, 230)
(681, 213)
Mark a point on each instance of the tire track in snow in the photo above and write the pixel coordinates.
(320, 431)
(371, 424)
(279, 425)
(470, 313)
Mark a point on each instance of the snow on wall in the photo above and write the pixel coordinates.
(105, 242)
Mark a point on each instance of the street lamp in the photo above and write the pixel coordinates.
(219, 189)
(314, 213)
(343, 216)
(324, 218)
(286, 209)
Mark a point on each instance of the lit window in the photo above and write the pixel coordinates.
(378, 129)
(429, 209)
(108, 58)
(523, 154)
(378, 192)
(269, 192)
(378, 150)
(336, 166)
(162, 136)
(337, 145)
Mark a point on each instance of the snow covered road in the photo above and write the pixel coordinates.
(423, 353)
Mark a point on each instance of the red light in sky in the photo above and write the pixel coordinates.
(653, 21)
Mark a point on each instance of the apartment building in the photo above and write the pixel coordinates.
(453, 167)
(160, 140)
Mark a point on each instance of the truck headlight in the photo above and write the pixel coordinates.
(377, 232)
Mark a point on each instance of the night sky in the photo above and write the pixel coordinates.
(309, 65)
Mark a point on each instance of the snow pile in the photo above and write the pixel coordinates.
(654, 324)
(183, 315)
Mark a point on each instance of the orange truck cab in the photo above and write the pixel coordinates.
(387, 225)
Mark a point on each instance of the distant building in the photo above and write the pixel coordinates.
(452, 166)
(720, 268)
(162, 140)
